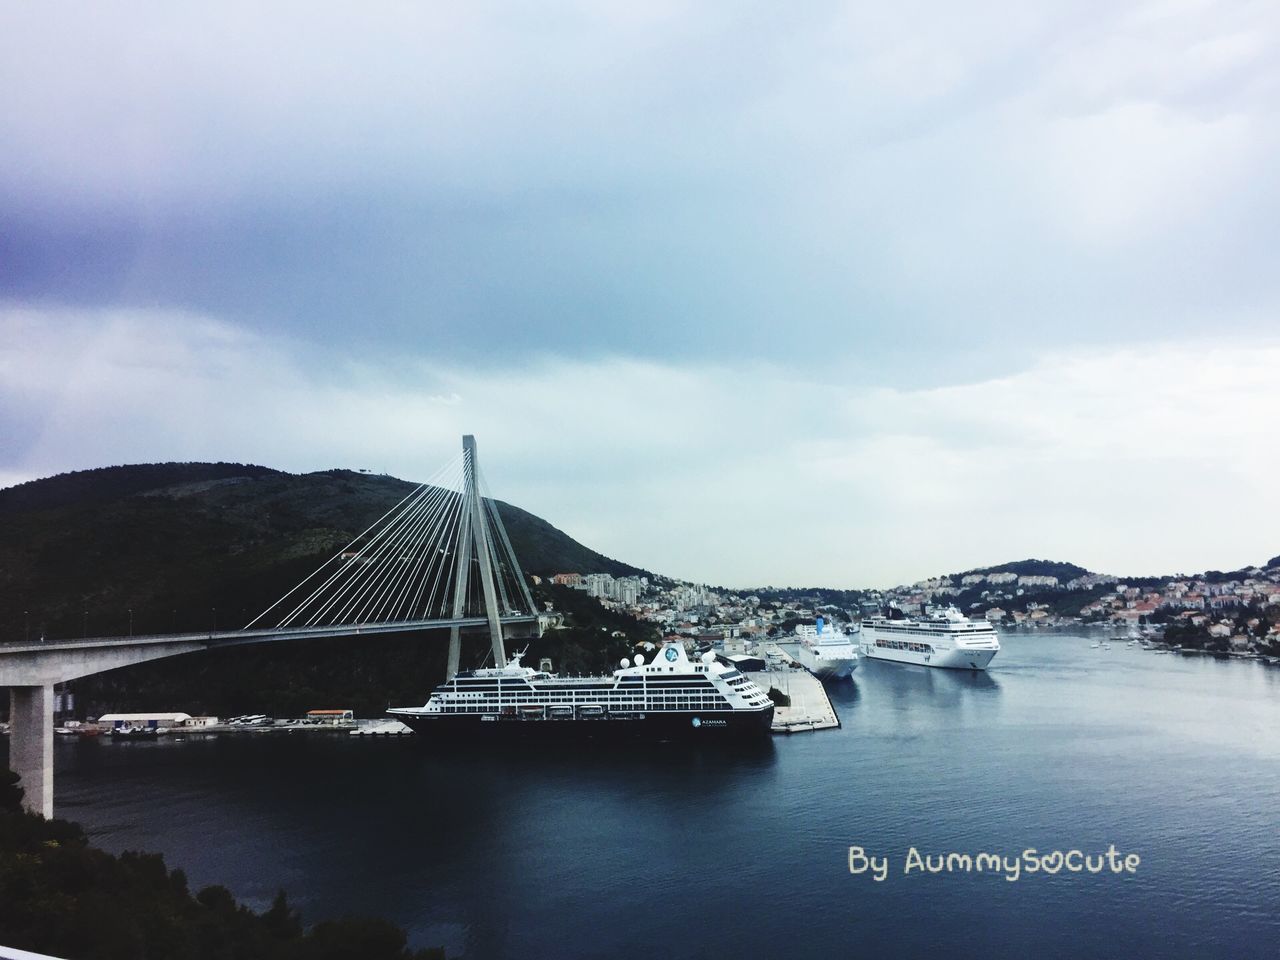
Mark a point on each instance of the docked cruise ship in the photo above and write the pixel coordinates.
(672, 697)
(946, 639)
(827, 651)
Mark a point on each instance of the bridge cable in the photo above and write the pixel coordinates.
(411, 495)
(384, 560)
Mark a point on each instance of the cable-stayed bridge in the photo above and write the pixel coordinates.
(439, 559)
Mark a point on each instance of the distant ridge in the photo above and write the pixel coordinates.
(1032, 568)
(1066, 572)
(108, 483)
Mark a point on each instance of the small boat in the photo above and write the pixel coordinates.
(126, 731)
(1095, 645)
(381, 728)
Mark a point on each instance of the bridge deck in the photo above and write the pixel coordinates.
(213, 638)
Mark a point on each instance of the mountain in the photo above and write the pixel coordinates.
(174, 542)
(153, 548)
(1032, 568)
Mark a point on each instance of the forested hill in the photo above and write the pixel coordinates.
(193, 546)
(1032, 568)
(113, 483)
(181, 544)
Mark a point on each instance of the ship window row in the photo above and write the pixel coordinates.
(657, 703)
(934, 631)
(656, 706)
(543, 693)
(556, 697)
(691, 685)
(637, 697)
(633, 696)
(904, 645)
(694, 679)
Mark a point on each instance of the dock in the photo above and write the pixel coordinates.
(810, 708)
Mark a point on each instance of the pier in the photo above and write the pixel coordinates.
(810, 707)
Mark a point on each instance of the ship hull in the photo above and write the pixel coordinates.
(826, 668)
(957, 659)
(667, 725)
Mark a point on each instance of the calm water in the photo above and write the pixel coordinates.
(679, 852)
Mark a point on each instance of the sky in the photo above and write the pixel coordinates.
(743, 293)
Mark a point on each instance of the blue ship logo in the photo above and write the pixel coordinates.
(697, 722)
(671, 654)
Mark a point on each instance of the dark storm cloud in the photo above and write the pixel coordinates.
(668, 180)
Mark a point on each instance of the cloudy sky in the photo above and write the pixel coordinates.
(838, 293)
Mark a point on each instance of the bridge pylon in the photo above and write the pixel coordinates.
(477, 539)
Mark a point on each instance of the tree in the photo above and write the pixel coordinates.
(11, 792)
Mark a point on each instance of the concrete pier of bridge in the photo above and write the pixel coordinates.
(31, 744)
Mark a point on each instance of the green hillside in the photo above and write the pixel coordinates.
(1033, 568)
(176, 547)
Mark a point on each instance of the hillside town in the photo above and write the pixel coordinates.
(1237, 611)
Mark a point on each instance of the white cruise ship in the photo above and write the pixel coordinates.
(672, 697)
(825, 650)
(947, 639)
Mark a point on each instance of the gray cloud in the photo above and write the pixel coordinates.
(813, 284)
(745, 475)
(695, 179)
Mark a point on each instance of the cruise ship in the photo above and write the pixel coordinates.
(825, 650)
(672, 697)
(947, 639)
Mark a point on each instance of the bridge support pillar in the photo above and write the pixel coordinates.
(31, 745)
(455, 653)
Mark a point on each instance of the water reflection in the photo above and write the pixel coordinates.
(905, 680)
(559, 850)
(843, 694)
(970, 679)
